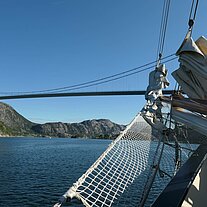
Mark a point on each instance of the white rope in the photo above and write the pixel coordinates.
(124, 168)
(116, 169)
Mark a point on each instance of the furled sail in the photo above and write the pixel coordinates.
(192, 77)
(192, 74)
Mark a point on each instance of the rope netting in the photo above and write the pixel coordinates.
(167, 168)
(133, 170)
(117, 168)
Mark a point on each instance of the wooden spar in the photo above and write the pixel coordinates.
(187, 104)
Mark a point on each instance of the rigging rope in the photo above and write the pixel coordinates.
(124, 168)
(139, 153)
(192, 15)
(100, 80)
(163, 28)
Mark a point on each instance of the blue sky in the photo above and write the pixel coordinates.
(53, 43)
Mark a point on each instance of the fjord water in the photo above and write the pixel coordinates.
(37, 171)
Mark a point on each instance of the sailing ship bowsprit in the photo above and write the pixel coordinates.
(155, 158)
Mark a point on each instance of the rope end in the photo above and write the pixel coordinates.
(62, 200)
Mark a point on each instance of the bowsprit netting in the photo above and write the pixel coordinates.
(117, 168)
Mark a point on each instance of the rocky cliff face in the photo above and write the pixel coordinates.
(12, 123)
(101, 128)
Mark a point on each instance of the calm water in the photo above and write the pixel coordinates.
(37, 171)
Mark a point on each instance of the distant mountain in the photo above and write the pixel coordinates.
(14, 124)
(101, 128)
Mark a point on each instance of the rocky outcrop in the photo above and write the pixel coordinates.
(101, 128)
(14, 124)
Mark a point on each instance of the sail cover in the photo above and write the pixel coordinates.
(192, 74)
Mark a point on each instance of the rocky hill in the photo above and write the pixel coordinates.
(14, 124)
(101, 128)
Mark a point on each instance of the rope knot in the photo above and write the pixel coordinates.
(190, 23)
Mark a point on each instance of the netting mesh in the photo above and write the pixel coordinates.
(123, 174)
(117, 168)
(167, 169)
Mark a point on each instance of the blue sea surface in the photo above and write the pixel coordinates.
(37, 171)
